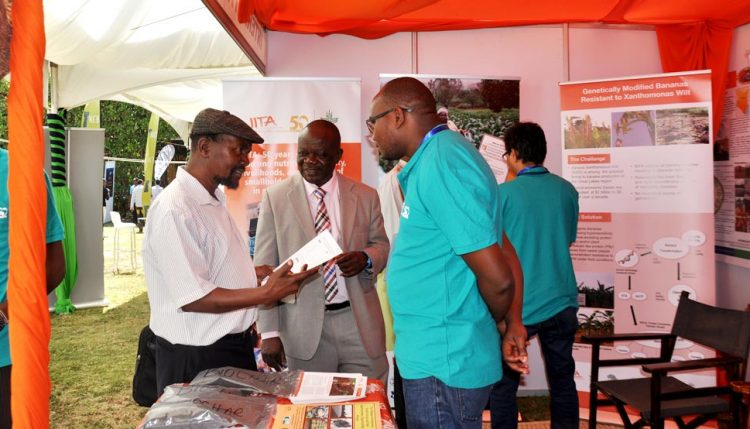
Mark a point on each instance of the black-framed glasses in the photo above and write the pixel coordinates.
(374, 118)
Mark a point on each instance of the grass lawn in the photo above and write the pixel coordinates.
(93, 355)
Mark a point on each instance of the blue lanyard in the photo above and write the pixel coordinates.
(435, 130)
(525, 170)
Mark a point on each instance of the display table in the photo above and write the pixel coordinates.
(211, 406)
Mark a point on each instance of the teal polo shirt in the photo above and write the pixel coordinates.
(540, 218)
(443, 327)
(54, 233)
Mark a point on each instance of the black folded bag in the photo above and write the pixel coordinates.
(144, 379)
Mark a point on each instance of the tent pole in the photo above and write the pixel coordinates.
(566, 52)
(414, 52)
(45, 83)
(53, 83)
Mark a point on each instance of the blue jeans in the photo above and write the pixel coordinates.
(431, 404)
(556, 336)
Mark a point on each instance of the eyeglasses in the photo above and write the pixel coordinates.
(374, 118)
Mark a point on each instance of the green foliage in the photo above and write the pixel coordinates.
(483, 121)
(602, 296)
(126, 128)
(598, 322)
(582, 132)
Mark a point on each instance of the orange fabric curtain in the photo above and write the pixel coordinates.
(27, 296)
(698, 46)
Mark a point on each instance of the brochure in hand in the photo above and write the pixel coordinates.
(316, 252)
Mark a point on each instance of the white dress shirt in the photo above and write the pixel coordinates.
(136, 198)
(391, 201)
(333, 205)
(192, 246)
(155, 191)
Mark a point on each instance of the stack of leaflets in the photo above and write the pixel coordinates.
(301, 387)
(327, 387)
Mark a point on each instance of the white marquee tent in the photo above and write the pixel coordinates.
(168, 56)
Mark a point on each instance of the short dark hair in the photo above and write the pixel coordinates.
(527, 138)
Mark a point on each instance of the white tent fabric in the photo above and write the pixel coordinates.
(167, 55)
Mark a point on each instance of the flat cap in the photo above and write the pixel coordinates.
(211, 121)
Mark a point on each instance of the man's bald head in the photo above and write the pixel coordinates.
(400, 116)
(408, 92)
(322, 130)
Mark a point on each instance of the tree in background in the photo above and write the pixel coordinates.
(126, 127)
(500, 94)
(445, 91)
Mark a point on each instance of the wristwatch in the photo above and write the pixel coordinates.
(3, 320)
(368, 266)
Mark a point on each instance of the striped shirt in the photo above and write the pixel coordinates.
(333, 206)
(192, 246)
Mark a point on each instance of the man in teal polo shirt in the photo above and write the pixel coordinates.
(55, 264)
(448, 282)
(540, 218)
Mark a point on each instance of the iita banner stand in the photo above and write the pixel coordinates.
(281, 108)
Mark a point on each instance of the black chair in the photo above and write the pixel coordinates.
(661, 396)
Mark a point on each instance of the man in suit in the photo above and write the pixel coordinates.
(335, 323)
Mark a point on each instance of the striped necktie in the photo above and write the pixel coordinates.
(323, 223)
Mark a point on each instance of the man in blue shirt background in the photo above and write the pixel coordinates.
(55, 266)
(540, 217)
(448, 282)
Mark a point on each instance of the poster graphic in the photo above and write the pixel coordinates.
(480, 108)
(732, 173)
(638, 150)
(278, 109)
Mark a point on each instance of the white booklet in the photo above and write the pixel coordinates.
(327, 387)
(317, 251)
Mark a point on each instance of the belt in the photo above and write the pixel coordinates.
(338, 306)
(248, 333)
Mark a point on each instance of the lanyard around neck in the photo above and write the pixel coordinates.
(526, 170)
(433, 131)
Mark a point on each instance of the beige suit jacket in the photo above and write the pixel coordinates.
(285, 225)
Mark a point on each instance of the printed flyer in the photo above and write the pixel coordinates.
(639, 152)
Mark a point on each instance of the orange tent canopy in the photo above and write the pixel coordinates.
(692, 34)
(373, 19)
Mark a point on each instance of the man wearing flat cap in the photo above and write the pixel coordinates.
(201, 282)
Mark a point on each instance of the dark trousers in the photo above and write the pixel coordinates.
(177, 363)
(398, 397)
(5, 397)
(556, 336)
(137, 212)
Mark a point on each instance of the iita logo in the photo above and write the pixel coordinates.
(405, 212)
(262, 121)
(3, 212)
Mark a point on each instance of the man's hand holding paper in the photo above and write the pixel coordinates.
(283, 282)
